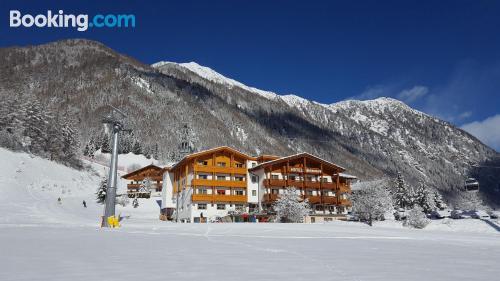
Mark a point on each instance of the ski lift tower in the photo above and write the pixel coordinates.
(116, 124)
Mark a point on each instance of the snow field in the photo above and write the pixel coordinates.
(43, 240)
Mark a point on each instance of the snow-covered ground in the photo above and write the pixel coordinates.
(43, 240)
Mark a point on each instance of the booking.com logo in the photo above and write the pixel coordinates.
(80, 22)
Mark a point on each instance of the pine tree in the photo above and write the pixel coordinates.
(438, 199)
(425, 198)
(403, 195)
(36, 122)
(101, 191)
(137, 149)
(104, 143)
(289, 208)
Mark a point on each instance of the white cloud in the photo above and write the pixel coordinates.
(373, 92)
(488, 131)
(411, 95)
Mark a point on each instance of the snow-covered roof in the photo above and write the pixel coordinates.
(347, 176)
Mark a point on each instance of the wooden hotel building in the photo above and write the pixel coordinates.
(215, 182)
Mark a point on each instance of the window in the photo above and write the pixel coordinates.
(203, 177)
(324, 180)
(221, 178)
(202, 191)
(238, 178)
(203, 163)
(309, 178)
(202, 206)
(238, 165)
(275, 177)
(292, 178)
(254, 192)
(309, 192)
(254, 179)
(221, 206)
(221, 192)
(221, 164)
(275, 191)
(239, 207)
(239, 192)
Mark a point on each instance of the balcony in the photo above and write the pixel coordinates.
(329, 185)
(312, 184)
(299, 184)
(133, 186)
(217, 169)
(218, 198)
(274, 183)
(270, 197)
(329, 200)
(344, 202)
(343, 188)
(202, 197)
(223, 183)
(313, 199)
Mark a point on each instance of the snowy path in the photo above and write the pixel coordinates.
(43, 240)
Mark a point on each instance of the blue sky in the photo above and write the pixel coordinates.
(441, 57)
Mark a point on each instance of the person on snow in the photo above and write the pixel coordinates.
(59, 200)
(84, 204)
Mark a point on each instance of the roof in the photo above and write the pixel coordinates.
(265, 164)
(347, 176)
(211, 150)
(150, 166)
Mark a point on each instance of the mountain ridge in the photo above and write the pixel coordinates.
(371, 139)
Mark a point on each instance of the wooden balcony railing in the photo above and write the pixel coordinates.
(312, 199)
(344, 202)
(218, 198)
(270, 197)
(299, 184)
(274, 183)
(223, 170)
(343, 188)
(329, 200)
(133, 186)
(223, 183)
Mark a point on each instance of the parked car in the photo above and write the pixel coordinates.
(480, 215)
(457, 214)
(494, 214)
(352, 217)
(441, 214)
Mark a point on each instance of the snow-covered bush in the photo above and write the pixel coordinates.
(289, 208)
(416, 218)
(371, 203)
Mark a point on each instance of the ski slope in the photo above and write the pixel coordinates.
(43, 240)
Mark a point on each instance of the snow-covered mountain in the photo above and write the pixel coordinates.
(372, 139)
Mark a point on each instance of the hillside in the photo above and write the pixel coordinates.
(372, 139)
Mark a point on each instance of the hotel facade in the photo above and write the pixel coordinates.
(221, 181)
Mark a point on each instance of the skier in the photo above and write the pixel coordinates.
(84, 204)
(59, 200)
